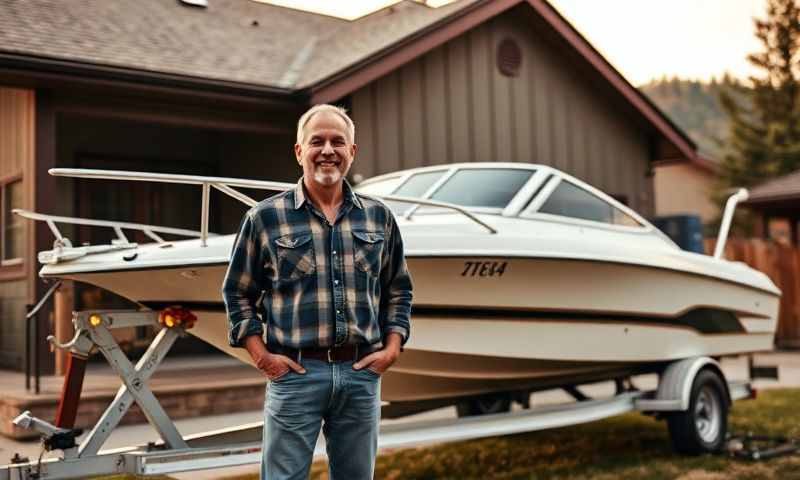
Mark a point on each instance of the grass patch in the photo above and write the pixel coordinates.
(630, 446)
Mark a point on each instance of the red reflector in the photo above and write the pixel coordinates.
(753, 393)
(176, 316)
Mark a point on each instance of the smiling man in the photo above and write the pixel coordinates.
(327, 266)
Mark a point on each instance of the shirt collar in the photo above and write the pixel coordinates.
(349, 195)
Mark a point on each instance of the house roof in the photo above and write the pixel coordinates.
(233, 40)
(255, 45)
(781, 189)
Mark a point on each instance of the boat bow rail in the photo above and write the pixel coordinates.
(63, 249)
(223, 184)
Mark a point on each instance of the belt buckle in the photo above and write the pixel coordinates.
(330, 360)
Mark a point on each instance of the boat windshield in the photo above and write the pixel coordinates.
(418, 184)
(570, 200)
(484, 188)
(380, 187)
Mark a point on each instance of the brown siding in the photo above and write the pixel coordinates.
(500, 86)
(458, 87)
(453, 105)
(365, 128)
(479, 52)
(389, 121)
(435, 109)
(16, 130)
(412, 124)
(17, 114)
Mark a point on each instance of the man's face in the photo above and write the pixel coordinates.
(326, 152)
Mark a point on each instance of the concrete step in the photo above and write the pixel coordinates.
(185, 386)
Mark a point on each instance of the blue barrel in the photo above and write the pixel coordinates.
(684, 230)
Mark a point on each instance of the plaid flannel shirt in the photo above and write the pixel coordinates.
(315, 284)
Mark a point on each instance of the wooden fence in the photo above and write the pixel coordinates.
(782, 264)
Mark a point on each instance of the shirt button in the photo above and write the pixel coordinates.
(336, 282)
(334, 252)
(338, 312)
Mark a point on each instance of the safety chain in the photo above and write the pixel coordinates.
(760, 447)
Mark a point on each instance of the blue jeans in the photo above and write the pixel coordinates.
(346, 401)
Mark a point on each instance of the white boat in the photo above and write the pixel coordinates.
(524, 278)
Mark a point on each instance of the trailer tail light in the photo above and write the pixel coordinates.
(753, 393)
(172, 317)
(95, 320)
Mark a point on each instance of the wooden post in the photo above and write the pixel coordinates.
(64, 304)
(760, 228)
(45, 200)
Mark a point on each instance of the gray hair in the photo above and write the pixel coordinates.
(324, 107)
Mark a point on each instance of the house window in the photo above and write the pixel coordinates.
(13, 226)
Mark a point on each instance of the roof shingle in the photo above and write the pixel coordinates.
(782, 188)
(233, 40)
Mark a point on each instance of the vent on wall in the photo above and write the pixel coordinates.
(509, 57)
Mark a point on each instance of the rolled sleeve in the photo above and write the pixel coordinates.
(397, 329)
(244, 284)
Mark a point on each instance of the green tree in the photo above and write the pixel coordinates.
(764, 120)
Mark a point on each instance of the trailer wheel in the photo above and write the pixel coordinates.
(703, 427)
(484, 405)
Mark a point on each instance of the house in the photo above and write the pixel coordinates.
(170, 86)
(685, 188)
(776, 204)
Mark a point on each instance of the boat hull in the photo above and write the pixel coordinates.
(475, 334)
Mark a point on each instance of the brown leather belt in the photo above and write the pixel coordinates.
(343, 353)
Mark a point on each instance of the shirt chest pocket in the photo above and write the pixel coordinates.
(295, 255)
(368, 251)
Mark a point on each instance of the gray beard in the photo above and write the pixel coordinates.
(327, 178)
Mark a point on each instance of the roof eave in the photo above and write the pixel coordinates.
(40, 70)
(789, 196)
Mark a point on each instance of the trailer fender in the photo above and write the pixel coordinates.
(675, 385)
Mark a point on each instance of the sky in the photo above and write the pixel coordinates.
(643, 39)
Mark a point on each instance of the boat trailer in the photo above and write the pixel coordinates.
(241, 445)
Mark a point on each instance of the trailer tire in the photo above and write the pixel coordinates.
(703, 427)
(484, 405)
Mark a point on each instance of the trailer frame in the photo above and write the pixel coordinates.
(241, 445)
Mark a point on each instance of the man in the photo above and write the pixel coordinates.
(325, 268)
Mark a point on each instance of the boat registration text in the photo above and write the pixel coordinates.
(484, 269)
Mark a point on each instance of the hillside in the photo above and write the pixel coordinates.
(694, 106)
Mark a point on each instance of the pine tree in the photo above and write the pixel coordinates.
(764, 135)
